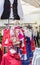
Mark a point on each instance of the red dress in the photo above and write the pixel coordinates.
(11, 59)
(6, 37)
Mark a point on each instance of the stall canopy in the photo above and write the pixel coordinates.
(35, 3)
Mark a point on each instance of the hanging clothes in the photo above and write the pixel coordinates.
(6, 39)
(11, 59)
(32, 42)
(27, 47)
(15, 38)
(17, 29)
(28, 37)
(21, 37)
(11, 9)
(23, 41)
(32, 45)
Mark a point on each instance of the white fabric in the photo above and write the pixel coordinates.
(35, 32)
(36, 57)
(25, 32)
(20, 11)
(11, 13)
(6, 41)
(28, 33)
(11, 32)
(38, 60)
(25, 57)
(14, 39)
(1, 7)
(11, 1)
(2, 32)
(19, 7)
(17, 31)
(12, 51)
(22, 42)
(0, 45)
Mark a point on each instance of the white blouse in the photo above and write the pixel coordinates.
(11, 13)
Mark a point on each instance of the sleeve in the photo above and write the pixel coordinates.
(1, 7)
(20, 11)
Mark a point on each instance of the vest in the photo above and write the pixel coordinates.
(6, 11)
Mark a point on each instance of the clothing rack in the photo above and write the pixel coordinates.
(16, 23)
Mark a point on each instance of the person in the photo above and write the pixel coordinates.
(11, 9)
